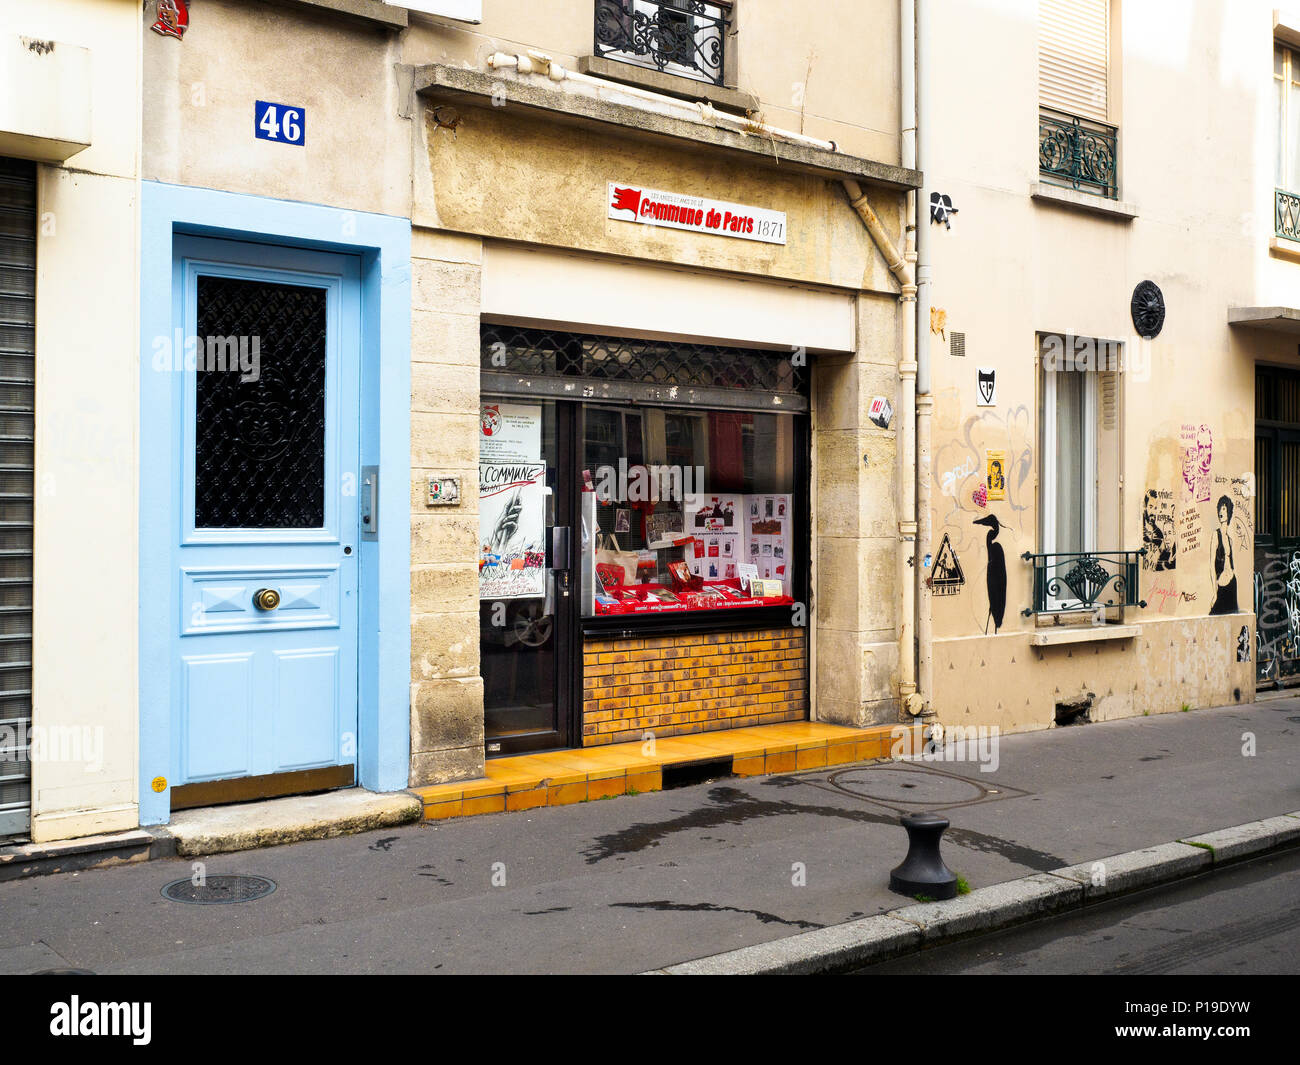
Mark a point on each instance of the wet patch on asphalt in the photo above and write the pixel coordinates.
(731, 806)
(664, 906)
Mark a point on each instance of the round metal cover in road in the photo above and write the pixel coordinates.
(907, 785)
(215, 890)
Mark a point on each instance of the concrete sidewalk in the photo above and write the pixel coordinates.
(635, 884)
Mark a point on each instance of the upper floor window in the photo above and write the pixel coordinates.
(687, 38)
(1076, 140)
(1286, 159)
(1286, 85)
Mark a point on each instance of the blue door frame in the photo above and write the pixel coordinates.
(382, 244)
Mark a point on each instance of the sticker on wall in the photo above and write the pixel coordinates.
(443, 492)
(987, 380)
(173, 18)
(941, 208)
(939, 322)
(980, 496)
(1243, 645)
(947, 578)
(881, 411)
(159, 784)
(995, 482)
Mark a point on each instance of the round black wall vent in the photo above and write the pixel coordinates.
(1148, 309)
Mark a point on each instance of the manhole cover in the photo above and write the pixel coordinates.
(215, 890)
(908, 786)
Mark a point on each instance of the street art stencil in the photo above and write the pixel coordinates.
(963, 454)
(996, 575)
(996, 480)
(987, 380)
(947, 578)
(1198, 452)
(1225, 572)
(1243, 645)
(1159, 535)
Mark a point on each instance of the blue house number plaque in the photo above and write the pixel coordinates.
(279, 122)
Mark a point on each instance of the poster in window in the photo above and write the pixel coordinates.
(509, 432)
(512, 530)
(767, 535)
(715, 521)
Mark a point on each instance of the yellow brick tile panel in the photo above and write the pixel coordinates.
(702, 682)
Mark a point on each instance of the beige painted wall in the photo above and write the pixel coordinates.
(87, 299)
(1196, 161)
(834, 76)
(198, 108)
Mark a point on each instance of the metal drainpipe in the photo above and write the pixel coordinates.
(924, 401)
(900, 265)
(907, 662)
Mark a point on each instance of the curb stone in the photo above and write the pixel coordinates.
(996, 906)
(1136, 869)
(881, 936)
(1242, 841)
(855, 944)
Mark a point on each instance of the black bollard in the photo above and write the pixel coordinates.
(923, 871)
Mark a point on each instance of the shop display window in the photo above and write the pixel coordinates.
(685, 510)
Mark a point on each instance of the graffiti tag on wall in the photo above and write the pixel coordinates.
(1277, 610)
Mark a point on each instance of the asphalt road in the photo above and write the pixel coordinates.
(637, 883)
(1243, 920)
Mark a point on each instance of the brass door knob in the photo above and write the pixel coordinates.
(266, 599)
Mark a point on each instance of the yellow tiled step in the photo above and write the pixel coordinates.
(554, 778)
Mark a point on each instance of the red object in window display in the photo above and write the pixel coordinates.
(683, 579)
(657, 599)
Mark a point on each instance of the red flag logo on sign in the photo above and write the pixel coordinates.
(626, 200)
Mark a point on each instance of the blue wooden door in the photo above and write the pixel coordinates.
(265, 515)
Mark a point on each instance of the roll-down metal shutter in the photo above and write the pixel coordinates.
(1073, 57)
(17, 418)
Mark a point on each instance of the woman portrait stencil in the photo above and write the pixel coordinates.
(1225, 573)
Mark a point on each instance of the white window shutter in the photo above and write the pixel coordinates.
(463, 10)
(1073, 57)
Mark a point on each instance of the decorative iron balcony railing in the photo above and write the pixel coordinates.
(1084, 581)
(683, 37)
(1286, 211)
(1078, 153)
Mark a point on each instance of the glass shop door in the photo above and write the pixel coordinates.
(528, 548)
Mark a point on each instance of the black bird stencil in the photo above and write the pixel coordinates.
(996, 575)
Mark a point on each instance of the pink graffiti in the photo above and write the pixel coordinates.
(1198, 454)
(981, 496)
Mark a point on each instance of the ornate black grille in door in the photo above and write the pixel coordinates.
(260, 417)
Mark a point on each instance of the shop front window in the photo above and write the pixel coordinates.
(686, 510)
